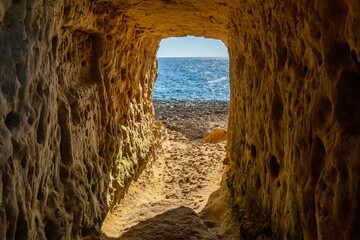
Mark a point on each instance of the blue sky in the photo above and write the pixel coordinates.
(192, 47)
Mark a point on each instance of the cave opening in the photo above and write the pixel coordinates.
(190, 99)
(192, 85)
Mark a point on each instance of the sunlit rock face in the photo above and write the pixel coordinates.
(77, 119)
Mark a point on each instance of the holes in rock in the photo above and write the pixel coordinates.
(54, 46)
(123, 73)
(318, 157)
(31, 174)
(22, 227)
(338, 55)
(40, 195)
(12, 121)
(68, 56)
(41, 128)
(23, 162)
(94, 188)
(325, 213)
(64, 174)
(86, 232)
(304, 70)
(39, 89)
(282, 54)
(40, 36)
(83, 63)
(253, 151)
(258, 182)
(277, 110)
(96, 53)
(67, 11)
(347, 108)
(66, 141)
(6, 181)
(31, 120)
(274, 167)
(278, 184)
(51, 230)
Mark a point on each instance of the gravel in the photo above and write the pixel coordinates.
(192, 118)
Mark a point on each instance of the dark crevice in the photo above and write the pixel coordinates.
(318, 158)
(12, 121)
(22, 227)
(54, 46)
(51, 230)
(97, 51)
(347, 107)
(41, 128)
(274, 167)
(65, 142)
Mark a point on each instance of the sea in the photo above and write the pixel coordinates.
(195, 78)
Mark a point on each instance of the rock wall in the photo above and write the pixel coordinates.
(77, 119)
(294, 118)
(76, 116)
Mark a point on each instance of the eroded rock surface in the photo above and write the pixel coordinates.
(294, 116)
(77, 119)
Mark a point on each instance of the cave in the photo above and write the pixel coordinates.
(77, 121)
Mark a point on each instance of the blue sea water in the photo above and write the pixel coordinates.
(192, 79)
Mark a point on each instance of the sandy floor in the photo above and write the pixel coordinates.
(168, 200)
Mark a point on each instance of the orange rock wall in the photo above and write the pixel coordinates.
(294, 124)
(77, 119)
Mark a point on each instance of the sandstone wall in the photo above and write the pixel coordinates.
(294, 117)
(77, 120)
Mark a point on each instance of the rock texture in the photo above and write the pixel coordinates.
(294, 115)
(76, 116)
(214, 136)
(77, 119)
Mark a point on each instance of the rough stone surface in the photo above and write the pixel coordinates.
(294, 140)
(215, 136)
(76, 116)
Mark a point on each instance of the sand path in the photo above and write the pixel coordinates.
(167, 201)
(164, 202)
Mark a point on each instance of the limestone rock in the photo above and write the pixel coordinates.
(215, 136)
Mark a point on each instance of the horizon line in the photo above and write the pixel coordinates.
(192, 57)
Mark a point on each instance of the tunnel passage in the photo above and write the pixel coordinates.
(77, 119)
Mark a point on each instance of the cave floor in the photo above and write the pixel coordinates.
(170, 200)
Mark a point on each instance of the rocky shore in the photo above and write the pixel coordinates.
(192, 118)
